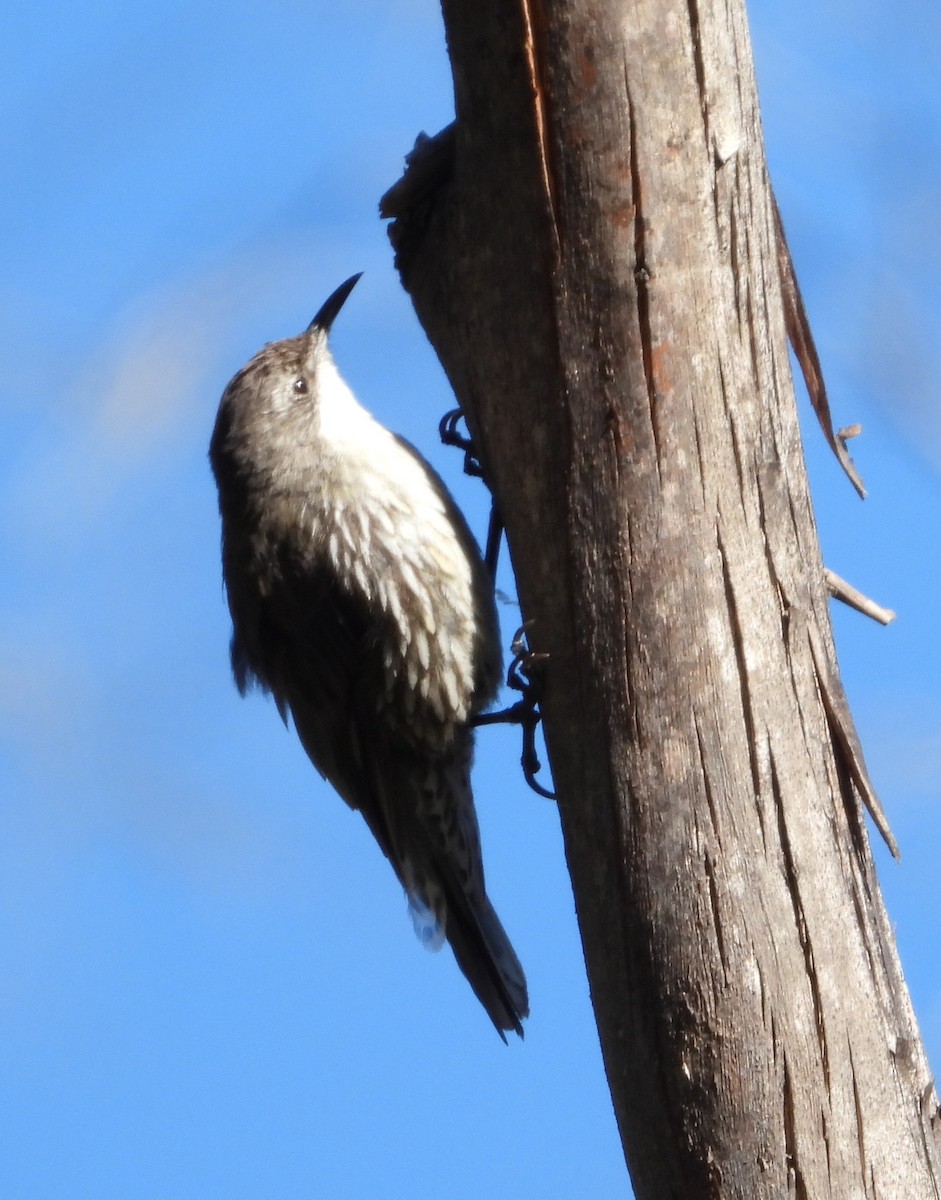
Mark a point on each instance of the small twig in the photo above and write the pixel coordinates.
(841, 590)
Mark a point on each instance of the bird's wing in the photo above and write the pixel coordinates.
(318, 650)
(315, 647)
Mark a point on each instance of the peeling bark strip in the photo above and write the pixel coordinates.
(595, 259)
(846, 741)
(805, 348)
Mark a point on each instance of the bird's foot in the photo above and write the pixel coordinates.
(523, 677)
(448, 429)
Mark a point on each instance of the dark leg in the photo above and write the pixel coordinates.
(448, 429)
(520, 676)
(525, 712)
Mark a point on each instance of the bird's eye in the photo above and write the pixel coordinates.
(300, 386)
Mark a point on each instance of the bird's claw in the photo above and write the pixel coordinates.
(447, 428)
(522, 677)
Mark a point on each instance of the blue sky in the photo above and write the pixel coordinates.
(209, 986)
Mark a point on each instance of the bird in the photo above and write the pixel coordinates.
(361, 604)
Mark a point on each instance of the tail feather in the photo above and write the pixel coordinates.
(423, 817)
(489, 963)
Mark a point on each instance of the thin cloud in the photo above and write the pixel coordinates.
(151, 381)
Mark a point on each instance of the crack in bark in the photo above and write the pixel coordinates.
(717, 210)
(708, 861)
(535, 50)
(800, 920)
(797, 1187)
(864, 928)
(710, 797)
(738, 643)
(700, 457)
(766, 521)
(763, 996)
(641, 272)
(736, 448)
(696, 33)
(734, 263)
(860, 1130)
(716, 918)
(926, 1129)
(753, 355)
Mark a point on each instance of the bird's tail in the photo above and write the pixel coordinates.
(478, 939)
(435, 849)
(488, 960)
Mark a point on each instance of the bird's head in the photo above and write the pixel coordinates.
(276, 396)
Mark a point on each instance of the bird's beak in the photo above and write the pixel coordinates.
(332, 305)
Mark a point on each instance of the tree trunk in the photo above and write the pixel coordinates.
(592, 253)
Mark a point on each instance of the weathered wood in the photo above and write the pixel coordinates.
(594, 258)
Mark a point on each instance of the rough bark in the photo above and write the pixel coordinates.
(592, 253)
